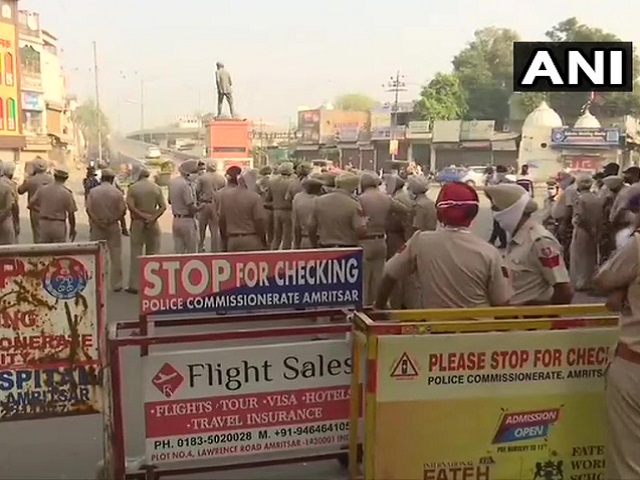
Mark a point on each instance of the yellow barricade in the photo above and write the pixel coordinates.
(481, 394)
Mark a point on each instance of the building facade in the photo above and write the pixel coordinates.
(11, 138)
(34, 120)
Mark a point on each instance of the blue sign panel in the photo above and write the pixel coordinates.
(567, 137)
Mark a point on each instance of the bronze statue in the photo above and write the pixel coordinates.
(224, 84)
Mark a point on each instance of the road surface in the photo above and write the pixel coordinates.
(71, 448)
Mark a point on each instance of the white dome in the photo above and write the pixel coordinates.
(543, 116)
(587, 121)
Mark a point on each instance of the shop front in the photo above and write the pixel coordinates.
(587, 149)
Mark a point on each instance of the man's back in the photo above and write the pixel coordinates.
(223, 81)
(455, 268)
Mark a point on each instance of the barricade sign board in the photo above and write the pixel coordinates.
(500, 406)
(258, 402)
(51, 308)
(251, 282)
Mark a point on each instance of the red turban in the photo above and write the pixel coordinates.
(457, 204)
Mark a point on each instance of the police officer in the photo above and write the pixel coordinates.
(424, 209)
(613, 185)
(455, 268)
(8, 169)
(337, 220)
(277, 195)
(106, 207)
(562, 212)
(8, 203)
(587, 225)
(242, 213)
(262, 184)
(302, 208)
(54, 206)
(206, 186)
(302, 171)
(376, 206)
(30, 186)
(619, 279)
(183, 206)
(533, 255)
(146, 203)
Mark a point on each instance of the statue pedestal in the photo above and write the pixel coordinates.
(229, 141)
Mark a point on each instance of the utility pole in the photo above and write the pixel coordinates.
(395, 85)
(142, 106)
(98, 111)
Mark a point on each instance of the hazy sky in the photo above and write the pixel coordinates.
(281, 54)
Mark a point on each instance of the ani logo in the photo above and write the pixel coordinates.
(65, 278)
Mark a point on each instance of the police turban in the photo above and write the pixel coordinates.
(418, 184)
(369, 179)
(613, 182)
(285, 168)
(457, 204)
(188, 166)
(506, 195)
(348, 182)
(584, 181)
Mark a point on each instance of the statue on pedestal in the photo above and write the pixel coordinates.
(224, 84)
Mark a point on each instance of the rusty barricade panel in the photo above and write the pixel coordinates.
(51, 316)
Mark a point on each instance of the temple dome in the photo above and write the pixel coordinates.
(543, 116)
(587, 120)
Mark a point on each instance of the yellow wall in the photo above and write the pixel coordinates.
(8, 46)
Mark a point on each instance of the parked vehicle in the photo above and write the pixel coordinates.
(153, 152)
(450, 174)
(475, 176)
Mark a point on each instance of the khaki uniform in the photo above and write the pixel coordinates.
(534, 259)
(620, 216)
(263, 189)
(206, 186)
(398, 228)
(425, 217)
(337, 216)
(240, 210)
(562, 211)
(106, 207)
(183, 228)
(282, 227)
(30, 186)
(587, 225)
(7, 204)
(455, 269)
(295, 187)
(16, 209)
(53, 203)
(147, 197)
(376, 207)
(622, 447)
(302, 209)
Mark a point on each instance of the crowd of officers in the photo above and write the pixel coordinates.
(418, 253)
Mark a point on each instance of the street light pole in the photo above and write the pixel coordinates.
(98, 111)
(141, 103)
(396, 85)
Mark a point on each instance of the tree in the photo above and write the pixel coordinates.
(569, 104)
(485, 70)
(356, 102)
(442, 99)
(91, 120)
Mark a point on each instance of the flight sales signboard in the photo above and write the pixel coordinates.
(256, 401)
(251, 281)
(51, 310)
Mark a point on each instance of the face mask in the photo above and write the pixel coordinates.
(551, 192)
(509, 218)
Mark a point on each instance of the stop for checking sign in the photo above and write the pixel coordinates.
(518, 359)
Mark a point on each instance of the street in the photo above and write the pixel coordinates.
(70, 448)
